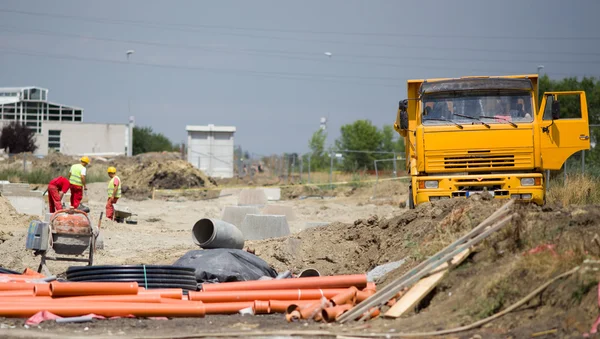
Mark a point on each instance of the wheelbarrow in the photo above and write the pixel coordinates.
(71, 234)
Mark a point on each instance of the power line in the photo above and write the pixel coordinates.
(272, 74)
(296, 31)
(283, 53)
(266, 74)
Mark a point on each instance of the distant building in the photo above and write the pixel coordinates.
(60, 127)
(210, 149)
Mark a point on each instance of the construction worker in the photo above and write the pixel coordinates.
(56, 190)
(114, 192)
(77, 175)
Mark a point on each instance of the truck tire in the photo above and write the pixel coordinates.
(411, 201)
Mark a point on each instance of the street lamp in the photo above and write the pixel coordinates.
(131, 120)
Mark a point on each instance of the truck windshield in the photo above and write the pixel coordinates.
(496, 107)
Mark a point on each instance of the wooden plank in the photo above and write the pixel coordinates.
(422, 288)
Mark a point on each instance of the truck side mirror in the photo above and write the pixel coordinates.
(402, 106)
(555, 110)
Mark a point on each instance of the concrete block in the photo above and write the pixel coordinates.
(258, 227)
(273, 194)
(235, 214)
(252, 197)
(288, 211)
(27, 205)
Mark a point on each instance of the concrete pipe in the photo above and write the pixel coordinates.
(214, 233)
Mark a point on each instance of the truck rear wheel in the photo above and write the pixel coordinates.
(411, 200)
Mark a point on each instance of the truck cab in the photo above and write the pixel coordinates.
(487, 134)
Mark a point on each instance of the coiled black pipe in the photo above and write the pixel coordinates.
(148, 276)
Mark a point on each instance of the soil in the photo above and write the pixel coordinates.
(363, 234)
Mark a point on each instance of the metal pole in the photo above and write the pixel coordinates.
(301, 168)
(395, 168)
(293, 165)
(331, 170)
(309, 156)
(582, 162)
(376, 179)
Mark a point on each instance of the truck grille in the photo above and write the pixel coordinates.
(484, 160)
(479, 161)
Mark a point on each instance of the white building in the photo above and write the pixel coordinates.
(60, 127)
(210, 149)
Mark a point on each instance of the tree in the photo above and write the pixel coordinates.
(391, 140)
(361, 135)
(16, 137)
(318, 158)
(145, 140)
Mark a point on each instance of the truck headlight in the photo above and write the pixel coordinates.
(527, 181)
(431, 184)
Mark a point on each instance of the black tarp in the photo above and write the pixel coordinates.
(225, 264)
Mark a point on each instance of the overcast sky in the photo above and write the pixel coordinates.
(260, 65)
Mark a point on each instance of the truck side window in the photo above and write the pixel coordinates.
(570, 107)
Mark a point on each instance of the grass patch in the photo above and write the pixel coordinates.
(582, 290)
(576, 190)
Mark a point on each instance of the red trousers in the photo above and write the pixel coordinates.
(110, 209)
(54, 203)
(76, 195)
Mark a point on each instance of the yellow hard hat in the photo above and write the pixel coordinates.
(112, 170)
(85, 159)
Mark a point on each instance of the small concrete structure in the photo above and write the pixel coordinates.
(210, 149)
(258, 227)
(7, 189)
(288, 211)
(235, 214)
(252, 197)
(273, 194)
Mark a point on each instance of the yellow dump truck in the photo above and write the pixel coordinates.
(474, 134)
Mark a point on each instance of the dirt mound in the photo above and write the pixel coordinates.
(13, 227)
(143, 172)
(349, 248)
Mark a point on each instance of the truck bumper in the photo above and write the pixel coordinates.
(500, 186)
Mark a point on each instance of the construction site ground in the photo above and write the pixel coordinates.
(364, 233)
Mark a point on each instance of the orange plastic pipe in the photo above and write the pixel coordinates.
(281, 306)
(68, 289)
(348, 296)
(171, 293)
(143, 298)
(336, 281)
(372, 313)
(41, 290)
(363, 295)
(225, 308)
(15, 286)
(309, 311)
(261, 307)
(107, 309)
(330, 314)
(297, 294)
(16, 293)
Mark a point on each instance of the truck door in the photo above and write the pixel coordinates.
(563, 119)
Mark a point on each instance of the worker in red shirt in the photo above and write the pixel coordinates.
(56, 189)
